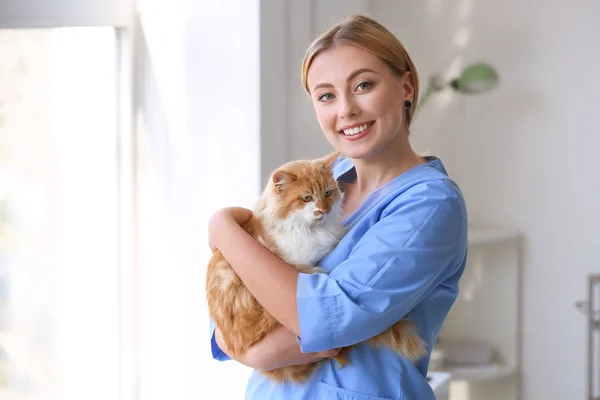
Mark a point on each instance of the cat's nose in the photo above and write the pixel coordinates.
(322, 206)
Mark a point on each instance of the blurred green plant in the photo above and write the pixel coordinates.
(475, 78)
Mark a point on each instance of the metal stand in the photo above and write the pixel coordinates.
(591, 309)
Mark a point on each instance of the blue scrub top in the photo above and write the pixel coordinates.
(402, 256)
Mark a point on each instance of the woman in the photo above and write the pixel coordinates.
(406, 245)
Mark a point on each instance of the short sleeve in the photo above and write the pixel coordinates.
(418, 242)
(217, 353)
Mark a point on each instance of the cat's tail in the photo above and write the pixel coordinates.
(404, 339)
(293, 373)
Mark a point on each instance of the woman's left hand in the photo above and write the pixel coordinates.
(229, 215)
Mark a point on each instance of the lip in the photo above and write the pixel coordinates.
(360, 135)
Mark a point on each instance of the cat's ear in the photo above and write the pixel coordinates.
(327, 161)
(281, 179)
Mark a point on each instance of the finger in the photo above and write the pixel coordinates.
(335, 352)
(329, 353)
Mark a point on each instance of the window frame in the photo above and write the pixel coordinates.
(120, 15)
(61, 13)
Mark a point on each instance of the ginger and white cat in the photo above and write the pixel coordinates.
(298, 217)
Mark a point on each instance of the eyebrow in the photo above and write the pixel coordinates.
(352, 76)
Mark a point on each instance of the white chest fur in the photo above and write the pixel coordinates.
(298, 238)
(301, 245)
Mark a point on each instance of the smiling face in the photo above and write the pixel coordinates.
(359, 100)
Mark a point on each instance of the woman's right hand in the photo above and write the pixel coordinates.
(278, 349)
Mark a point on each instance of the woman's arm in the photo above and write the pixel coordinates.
(417, 247)
(245, 358)
(278, 349)
(270, 280)
(415, 251)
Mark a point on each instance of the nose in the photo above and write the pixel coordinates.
(348, 107)
(321, 208)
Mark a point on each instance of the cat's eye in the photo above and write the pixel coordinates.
(307, 198)
(328, 193)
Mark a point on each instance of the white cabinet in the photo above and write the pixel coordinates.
(480, 340)
(440, 383)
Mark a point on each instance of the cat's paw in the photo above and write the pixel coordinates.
(341, 360)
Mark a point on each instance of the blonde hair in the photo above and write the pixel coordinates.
(367, 34)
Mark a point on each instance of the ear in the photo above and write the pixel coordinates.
(409, 86)
(328, 160)
(281, 179)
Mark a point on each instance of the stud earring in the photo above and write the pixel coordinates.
(407, 104)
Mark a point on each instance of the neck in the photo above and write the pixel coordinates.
(377, 170)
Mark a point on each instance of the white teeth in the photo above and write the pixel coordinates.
(354, 131)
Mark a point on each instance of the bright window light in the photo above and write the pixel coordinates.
(59, 331)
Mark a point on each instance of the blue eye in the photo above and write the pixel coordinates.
(326, 96)
(364, 85)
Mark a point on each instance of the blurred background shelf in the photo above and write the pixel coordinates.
(481, 373)
(485, 322)
(491, 235)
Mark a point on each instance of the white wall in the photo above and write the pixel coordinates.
(198, 149)
(274, 104)
(524, 155)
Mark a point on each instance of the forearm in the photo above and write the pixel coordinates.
(280, 349)
(270, 280)
(247, 358)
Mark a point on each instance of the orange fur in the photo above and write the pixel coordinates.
(296, 195)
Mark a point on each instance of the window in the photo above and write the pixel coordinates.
(103, 210)
(59, 225)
